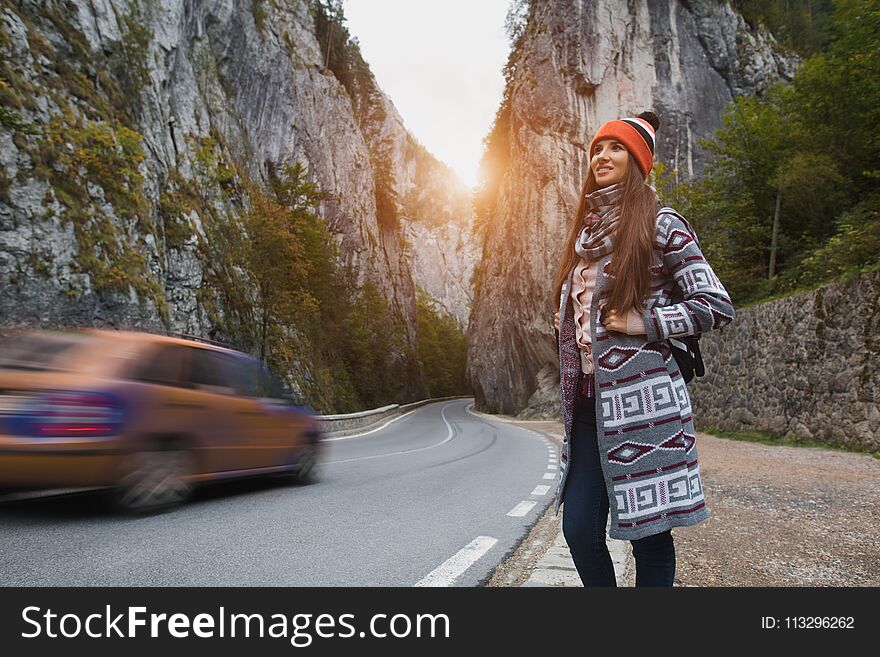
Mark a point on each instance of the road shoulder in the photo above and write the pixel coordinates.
(543, 558)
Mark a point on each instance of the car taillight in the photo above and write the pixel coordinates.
(71, 414)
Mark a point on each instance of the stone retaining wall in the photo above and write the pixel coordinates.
(349, 423)
(805, 366)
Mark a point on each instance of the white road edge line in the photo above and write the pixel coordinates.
(521, 509)
(405, 451)
(540, 490)
(451, 569)
(549, 475)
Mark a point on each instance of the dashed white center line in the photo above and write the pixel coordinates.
(451, 569)
(521, 509)
(540, 490)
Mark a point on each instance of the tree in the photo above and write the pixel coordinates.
(371, 345)
(798, 24)
(747, 150)
(442, 350)
(279, 231)
(836, 95)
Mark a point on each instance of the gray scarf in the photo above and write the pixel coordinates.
(602, 215)
(596, 238)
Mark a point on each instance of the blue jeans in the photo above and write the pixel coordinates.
(585, 514)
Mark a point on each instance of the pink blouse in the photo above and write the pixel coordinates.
(582, 288)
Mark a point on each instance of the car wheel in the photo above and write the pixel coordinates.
(155, 480)
(304, 470)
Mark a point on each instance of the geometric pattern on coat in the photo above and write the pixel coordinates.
(706, 305)
(647, 402)
(631, 451)
(659, 495)
(643, 412)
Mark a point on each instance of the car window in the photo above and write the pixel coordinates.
(39, 351)
(258, 380)
(209, 368)
(163, 366)
(248, 371)
(273, 383)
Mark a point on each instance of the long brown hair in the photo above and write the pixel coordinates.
(633, 241)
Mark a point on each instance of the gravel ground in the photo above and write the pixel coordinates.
(782, 516)
(778, 516)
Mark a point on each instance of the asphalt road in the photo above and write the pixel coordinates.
(426, 500)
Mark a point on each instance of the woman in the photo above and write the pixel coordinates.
(629, 443)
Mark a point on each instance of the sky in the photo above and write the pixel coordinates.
(440, 62)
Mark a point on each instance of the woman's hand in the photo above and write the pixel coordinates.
(612, 321)
(556, 320)
(630, 323)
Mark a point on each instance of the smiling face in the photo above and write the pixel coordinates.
(608, 161)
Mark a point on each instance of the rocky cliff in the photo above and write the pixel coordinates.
(443, 261)
(576, 65)
(123, 125)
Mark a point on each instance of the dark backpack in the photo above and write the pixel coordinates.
(686, 350)
(687, 355)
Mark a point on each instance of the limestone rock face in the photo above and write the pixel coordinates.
(436, 220)
(579, 65)
(443, 262)
(249, 77)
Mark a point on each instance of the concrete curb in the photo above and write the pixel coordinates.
(555, 567)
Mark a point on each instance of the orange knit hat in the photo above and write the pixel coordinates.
(636, 133)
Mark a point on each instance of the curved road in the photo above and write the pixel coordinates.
(438, 497)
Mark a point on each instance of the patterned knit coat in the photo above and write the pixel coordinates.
(643, 412)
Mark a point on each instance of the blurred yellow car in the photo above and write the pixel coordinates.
(148, 416)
